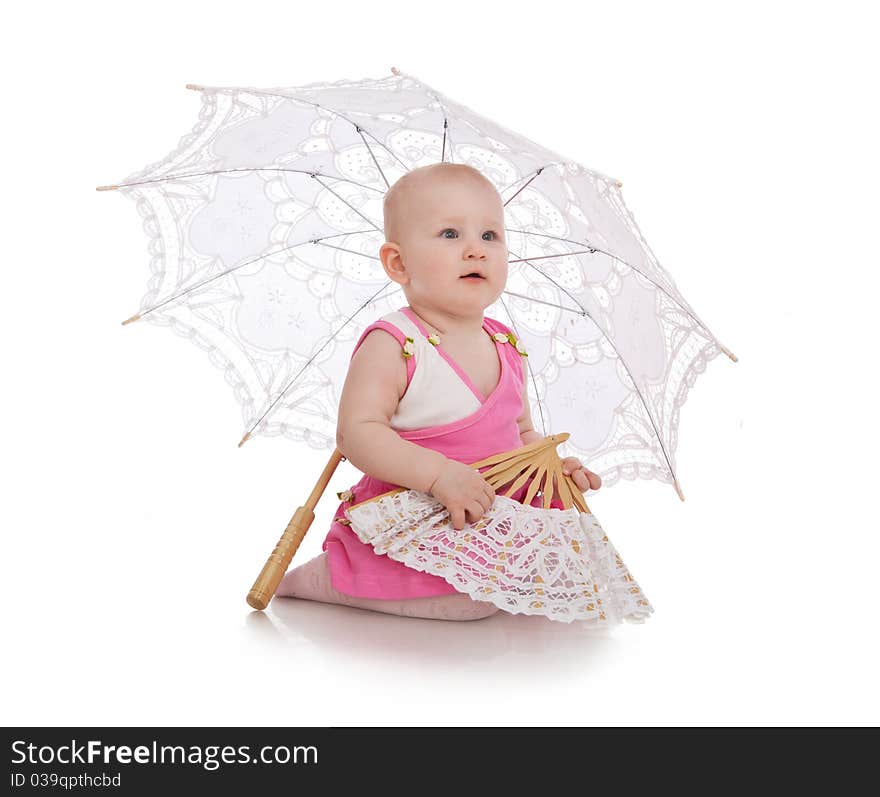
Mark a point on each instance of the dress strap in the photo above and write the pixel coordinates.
(503, 333)
(515, 352)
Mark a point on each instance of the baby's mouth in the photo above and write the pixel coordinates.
(472, 275)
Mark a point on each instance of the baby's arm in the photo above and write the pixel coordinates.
(375, 382)
(373, 388)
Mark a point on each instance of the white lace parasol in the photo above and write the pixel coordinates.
(264, 228)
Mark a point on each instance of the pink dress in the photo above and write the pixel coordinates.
(355, 568)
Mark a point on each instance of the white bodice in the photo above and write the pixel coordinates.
(436, 394)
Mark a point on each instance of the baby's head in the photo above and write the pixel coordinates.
(443, 222)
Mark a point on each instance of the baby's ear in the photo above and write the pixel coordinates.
(392, 262)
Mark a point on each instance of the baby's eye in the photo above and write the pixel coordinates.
(492, 233)
(446, 231)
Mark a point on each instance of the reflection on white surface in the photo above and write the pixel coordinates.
(410, 641)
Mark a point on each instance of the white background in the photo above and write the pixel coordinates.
(133, 525)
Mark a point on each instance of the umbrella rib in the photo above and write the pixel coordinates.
(547, 276)
(370, 150)
(341, 199)
(246, 263)
(528, 365)
(439, 102)
(309, 361)
(351, 251)
(685, 307)
(547, 235)
(599, 175)
(317, 105)
(435, 93)
(592, 249)
(436, 96)
(523, 186)
(246, 169)
(550, 257)
(623, 361)
(541, 301)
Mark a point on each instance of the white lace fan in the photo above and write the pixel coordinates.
(525, 559)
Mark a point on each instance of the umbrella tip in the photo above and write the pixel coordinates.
(395, 70)
(620, 184)
(106, 187)
(244, 439)
(195, 87)
(678, 490)
(135, 317)
(729, 353)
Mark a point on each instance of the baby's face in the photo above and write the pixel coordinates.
(451, 229)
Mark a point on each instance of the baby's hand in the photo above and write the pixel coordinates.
(463, 491)
(583, 478)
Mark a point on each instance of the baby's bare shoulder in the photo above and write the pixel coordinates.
(376, 379)
(380, 350)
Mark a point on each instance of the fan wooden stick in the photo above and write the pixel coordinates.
(538, 461)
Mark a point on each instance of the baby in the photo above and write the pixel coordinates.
(446, 246)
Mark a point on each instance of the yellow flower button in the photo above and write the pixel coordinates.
(408, 347)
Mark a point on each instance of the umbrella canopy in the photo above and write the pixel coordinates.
(264, 227)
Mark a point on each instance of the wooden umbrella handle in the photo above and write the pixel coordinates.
(279, 560)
